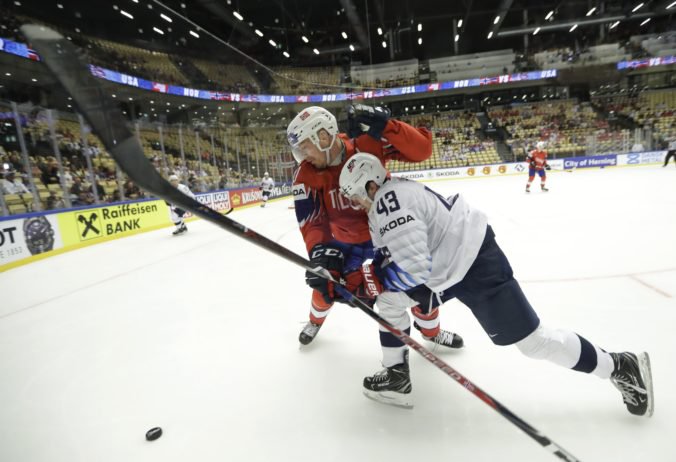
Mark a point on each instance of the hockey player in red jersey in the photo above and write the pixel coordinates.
(336, 231)
(537, 163)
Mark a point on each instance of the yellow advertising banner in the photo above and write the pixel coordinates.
(103, 223)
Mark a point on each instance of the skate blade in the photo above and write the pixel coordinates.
(646, 373)
(390, 398)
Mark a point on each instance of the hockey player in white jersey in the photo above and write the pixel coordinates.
(176, 213)
(436, 249)
(267, 184)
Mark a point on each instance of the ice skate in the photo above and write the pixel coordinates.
(544, 189)
(633, 377)
(528, 188)
(180, 230)
(309, 332)
(391, 386)
(447, 339)
(444, 338)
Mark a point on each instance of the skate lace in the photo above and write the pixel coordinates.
(380, 376)
(442, 338)
(311, 329)
(627, 389)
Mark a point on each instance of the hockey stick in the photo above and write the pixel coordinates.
(69, 68)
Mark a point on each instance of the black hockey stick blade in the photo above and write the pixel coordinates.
(69, 68)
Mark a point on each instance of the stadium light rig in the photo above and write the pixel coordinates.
(259, 33)
(490, 35)
(124, 13)
(591, 11)
(238, 16)
(194, 34)
(549, 15)
(535, 32)
(637, 7)
(305, 39)
(645, 22)
(459, 22)
(670, 6)
(573, 28)
(614, 25)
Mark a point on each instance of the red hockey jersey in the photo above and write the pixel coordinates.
(323, 213)
(537, 159)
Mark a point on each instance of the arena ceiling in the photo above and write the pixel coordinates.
(344, 31)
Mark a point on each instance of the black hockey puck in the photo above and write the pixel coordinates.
(153, 433)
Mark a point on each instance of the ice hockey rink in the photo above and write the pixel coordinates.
(197, 334)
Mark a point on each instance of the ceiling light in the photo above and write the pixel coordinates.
(670, 6)
(380, 31)
(419, 27)
(535, 32)
(8, 74)
(573, 28)
(384, 44)
(614, 25)
(272, 42)
(159, 31)
(59, 6)
(305, 39)
(115, 7)
(590, 12)
(238, 16)
(259, 33)
(351, 47)
(315, 51)
(194, 34)
(645, 22)
(165, 17)
(34, 79)
(637, 7)
(549, 15)
(124, 13)
(286, 54)
(490, 34)
(460, 23)
(496, 20)
(344, 35)
(114, 95)
(135, 1)
(419, 40)
(457, 37)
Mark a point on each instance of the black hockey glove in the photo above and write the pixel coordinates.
(547, 167)
(330, 258)
(362, 118)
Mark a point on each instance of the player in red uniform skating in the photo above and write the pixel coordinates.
(335, 231)
(537, 163)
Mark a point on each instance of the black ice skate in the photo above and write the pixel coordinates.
(544, 189)
(180, 230)
(444, 338)
(528, 188)
(309, 332)
(633, 377)
(391, 386)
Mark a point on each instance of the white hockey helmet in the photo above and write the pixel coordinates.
(358, 171)
(306, 125)
(540, 145)
(266, 174)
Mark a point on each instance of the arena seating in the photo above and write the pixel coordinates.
(490, 63)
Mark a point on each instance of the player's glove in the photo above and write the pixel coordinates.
(330, 258)
(371, 120)
(547, 167)
(364, 284)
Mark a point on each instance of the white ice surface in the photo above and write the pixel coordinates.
(198, 335)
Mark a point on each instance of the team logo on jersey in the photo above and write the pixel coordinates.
(298, 192)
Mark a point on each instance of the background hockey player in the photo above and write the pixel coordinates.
(335, 231)
(267, 184)
(176, 213)
(438, 249)
(537, 163)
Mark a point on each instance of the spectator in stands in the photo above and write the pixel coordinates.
(131, 191)
(78, 193)
(12, 185)
(54, 202)
(50, 174)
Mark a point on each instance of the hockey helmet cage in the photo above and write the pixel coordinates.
(358, 171)
(306, 125)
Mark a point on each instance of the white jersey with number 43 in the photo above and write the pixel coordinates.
(433, 239)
